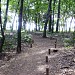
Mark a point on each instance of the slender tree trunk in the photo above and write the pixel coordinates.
(50, 24)
(50, 19)
(19, 27)
(2, 32)
(5, 18)
(36, 15)
(53, 16)
(58, 17)
(28, 11)
(47, 17)
(39, 21)
(36, 21)
(45, 27)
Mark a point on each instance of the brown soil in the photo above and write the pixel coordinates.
(32, 61)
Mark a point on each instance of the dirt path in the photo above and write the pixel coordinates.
(32, 60)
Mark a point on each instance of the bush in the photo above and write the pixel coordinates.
(26, 38)
(69, 41)
(10, 41)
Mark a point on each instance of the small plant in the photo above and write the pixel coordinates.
(69, 41)
(27, 38)
(10, 42)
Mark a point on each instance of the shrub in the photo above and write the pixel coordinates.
(27, 38)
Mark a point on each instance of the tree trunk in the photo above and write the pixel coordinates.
(50, 24)
(28, 11)
(39, 19)
(5, 18)
(2, 32)
(50, 19)
(36, 21)
(53, 16)
(47, 17)
(45, 27)
(19, 27)
(58, 17)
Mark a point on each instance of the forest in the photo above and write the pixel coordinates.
(47, 47)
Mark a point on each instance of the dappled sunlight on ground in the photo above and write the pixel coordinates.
(39, 52)
(32, 61)
(41, 68)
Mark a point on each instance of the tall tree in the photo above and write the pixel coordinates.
(35, 21)
(58, 17)
(50, 19)
(46, 21)
(53, 16)
(5, 18)
(37, 14)
(2, 32)
(19, 27)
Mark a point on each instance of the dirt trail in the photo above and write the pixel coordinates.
(32, 60)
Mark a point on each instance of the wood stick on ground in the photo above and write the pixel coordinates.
(46, 59)
(30, 45)
(49, 51)
(55, 43)
(47, 71)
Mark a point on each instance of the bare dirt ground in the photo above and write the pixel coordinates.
(32, 61)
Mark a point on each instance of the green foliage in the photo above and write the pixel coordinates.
(49, 32)
(73, 37)
(69, 41)
(26, 38)
(10, 41)
(32, 7)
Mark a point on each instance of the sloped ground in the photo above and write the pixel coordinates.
(32, 60)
